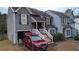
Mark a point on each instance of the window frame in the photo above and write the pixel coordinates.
(22, 17)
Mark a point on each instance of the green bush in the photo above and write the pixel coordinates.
(76, 37)
(58, 37)
(3, 38)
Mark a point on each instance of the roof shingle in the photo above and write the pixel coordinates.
(59, 13)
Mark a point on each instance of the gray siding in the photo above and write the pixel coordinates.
(17, 20)
(10, 26)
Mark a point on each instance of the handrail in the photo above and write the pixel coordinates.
(49, 35)
(46, 32)
(36, 31)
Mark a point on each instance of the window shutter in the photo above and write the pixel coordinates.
(19, 18)
(27, 19)
(51, 21)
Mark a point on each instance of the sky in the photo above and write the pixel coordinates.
(60, 9)
(5, 9)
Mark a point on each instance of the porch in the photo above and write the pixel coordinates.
(41, 26)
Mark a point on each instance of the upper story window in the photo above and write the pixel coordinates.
(65, 20)
(62, 20)
(48, 20)
(23, 19)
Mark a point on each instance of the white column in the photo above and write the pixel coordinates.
(44, 27)
(36, 25)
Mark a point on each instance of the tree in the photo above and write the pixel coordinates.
(3, 25)
(75, 10)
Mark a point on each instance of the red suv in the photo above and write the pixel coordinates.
(34, 42)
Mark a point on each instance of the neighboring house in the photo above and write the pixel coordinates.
(64, 22)
(21, 19)
(77, 24)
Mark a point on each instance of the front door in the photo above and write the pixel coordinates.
(67, 32)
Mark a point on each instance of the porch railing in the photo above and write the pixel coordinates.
(49, 35)
(46, 32)
(36, 31)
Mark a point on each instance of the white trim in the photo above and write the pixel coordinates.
(44, 27)
(18, 9)
(23, 30)
(33, 19)
(29, 10)
(12, 9)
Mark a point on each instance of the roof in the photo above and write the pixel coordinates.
(38, 18)
(38, 12)
(34, 13)
(67, 26)
(59, 13)
(76, 16)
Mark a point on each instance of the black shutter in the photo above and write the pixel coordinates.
(51, 20)
(19, 18)
(27, 19)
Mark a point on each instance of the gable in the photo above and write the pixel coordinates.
(15, 8)
(10, 10)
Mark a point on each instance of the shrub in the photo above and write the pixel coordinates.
(3, 38)
(76, 37)
(58, 37)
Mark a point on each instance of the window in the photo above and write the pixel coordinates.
(53, 30)
(62, 20)
(48, 20)
(23, 19)
(68, 32)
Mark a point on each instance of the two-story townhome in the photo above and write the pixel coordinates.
(24, 19)
(63, 21)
